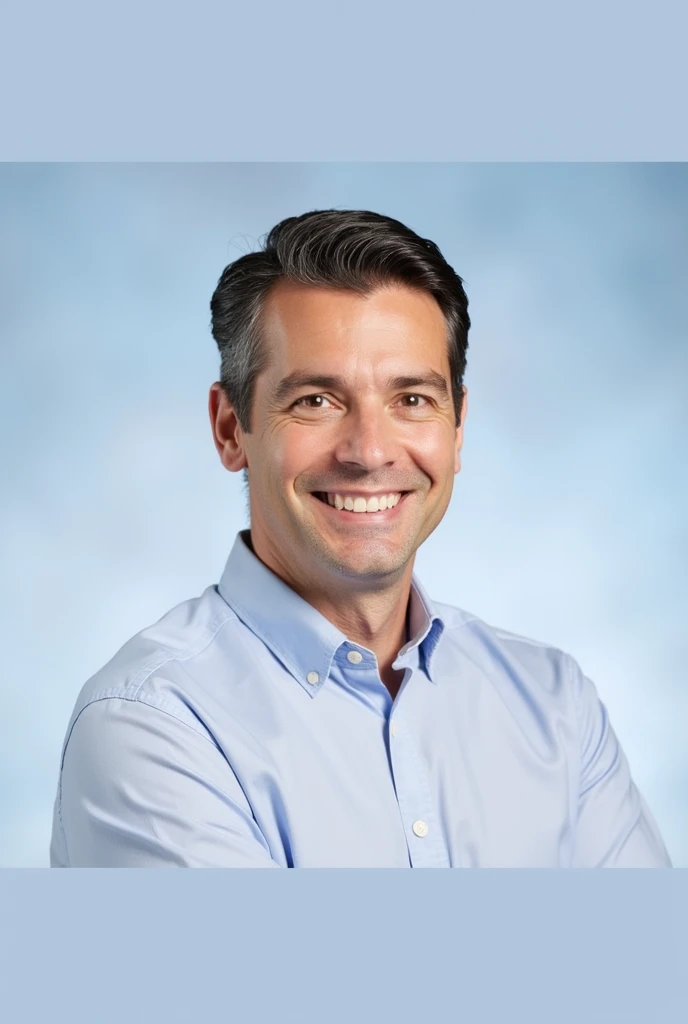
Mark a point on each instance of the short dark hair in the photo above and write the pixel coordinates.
(354, 250)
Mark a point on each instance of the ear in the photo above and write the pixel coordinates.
(227, 432)
(459, 431)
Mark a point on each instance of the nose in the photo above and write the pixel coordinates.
(367, 438)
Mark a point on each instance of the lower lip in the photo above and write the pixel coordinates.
(361, 518)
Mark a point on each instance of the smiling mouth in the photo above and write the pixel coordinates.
(360, 505)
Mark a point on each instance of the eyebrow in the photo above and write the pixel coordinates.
(297, 380)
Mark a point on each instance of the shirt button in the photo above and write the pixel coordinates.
(312, 678)
(393, 728)
(355, 657)
(420, 829)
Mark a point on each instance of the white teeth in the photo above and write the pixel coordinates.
(361, 504)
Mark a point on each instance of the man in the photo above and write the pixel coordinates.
(316, 708)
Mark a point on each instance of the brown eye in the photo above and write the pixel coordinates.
(311, 401)
(415, 401)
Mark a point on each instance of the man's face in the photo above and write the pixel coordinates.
(355, 403)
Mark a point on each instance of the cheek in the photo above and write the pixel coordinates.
(434, 450)
(295, 450)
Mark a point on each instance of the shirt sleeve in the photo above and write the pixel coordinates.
(614, 827)
(141, 788)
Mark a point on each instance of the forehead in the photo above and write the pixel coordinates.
(307, 327)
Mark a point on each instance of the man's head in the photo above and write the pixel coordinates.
(343, 346)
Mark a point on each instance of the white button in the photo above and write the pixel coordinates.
(312, 678)
(393, 728)
(355, 657)
(420, 829)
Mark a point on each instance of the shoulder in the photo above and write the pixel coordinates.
(459, 621)
(502, 652)
(148, 668)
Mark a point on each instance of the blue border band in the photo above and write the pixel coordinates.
(342, 946)
(147, 80)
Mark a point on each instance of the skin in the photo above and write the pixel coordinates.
(364, 433)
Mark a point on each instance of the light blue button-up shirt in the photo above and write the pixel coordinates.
(244, 730)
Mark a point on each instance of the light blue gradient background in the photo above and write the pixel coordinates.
(568, 521)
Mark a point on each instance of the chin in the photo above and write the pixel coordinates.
(366, 567)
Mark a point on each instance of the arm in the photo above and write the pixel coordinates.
(615, 827)
(140, 788)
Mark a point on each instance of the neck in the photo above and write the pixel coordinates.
(376, 619)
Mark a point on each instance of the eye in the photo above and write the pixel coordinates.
(414, 401)
(311, 402)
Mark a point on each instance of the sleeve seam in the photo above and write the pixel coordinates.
(166, 707)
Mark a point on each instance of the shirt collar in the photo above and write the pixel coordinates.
(425, 628)
(296, 633)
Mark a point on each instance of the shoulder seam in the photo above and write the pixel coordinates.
(166, 654)
(132, 690)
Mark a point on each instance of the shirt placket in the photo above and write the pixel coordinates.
(424, 837)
